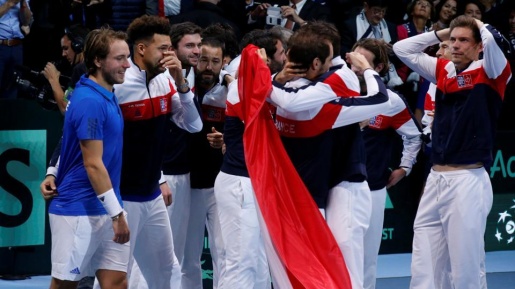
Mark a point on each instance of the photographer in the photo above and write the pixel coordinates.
(72, 44)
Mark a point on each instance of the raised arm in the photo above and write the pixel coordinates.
(411, 52)
(356, 109)
(494, 62)
(185, 113)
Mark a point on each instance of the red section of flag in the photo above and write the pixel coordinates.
(298, 231)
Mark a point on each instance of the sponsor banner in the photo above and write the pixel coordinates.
(22, 168)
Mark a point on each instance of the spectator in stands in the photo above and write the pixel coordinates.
(472, 8)
(205, 13)
(294, 13)
(369, 23)
(445, 11)
(15, 17)
(419, 15)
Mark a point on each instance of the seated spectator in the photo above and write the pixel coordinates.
(294, 13)
(472, 8)
(205, 13)
(445, 11)
(369, 23)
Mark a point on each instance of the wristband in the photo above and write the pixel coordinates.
(110, 203)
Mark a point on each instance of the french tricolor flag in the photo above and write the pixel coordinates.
(301, 249)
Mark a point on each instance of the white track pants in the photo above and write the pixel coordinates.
(449, 231)
(203, 213)
(245, 259)
(373, 237)
(348, 214)
(151, 245)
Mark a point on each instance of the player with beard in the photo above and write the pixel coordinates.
(246, 262)
(149, 99)
(205, 159)
(89, 230)
(186, 41)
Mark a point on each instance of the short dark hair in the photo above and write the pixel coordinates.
(144, 28)
(466, 22)
(225, 33)
(326, 30)
(379, 48)
(214, 42)
(77, 35)
(306, 44)
(98, 44)
(180, 29)
(262, 39)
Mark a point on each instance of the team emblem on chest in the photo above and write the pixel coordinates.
(464, 80)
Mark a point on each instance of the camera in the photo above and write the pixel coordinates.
(273, 16)
(33, 85)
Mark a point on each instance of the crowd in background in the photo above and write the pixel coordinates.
(401, 19)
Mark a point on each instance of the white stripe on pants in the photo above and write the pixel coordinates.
(348, 214)
(203, 213)
(449, 231)
(373, 237)
(245, 259)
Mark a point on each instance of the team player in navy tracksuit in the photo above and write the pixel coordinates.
(451, 218)
(379, 133)
(176, 165)
(149, 99)
(205, 157)
(246, 261)
(308, 138)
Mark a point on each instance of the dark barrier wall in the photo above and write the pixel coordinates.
(29, 133)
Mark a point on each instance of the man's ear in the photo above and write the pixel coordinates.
(140, 48)
(480, 46)
(97, 62)
(315, 64)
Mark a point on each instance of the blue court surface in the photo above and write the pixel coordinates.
(393, 273)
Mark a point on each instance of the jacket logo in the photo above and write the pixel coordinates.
(464, 80)
(376, 121)
(162, 103)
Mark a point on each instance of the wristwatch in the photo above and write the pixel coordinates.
(183, 87)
